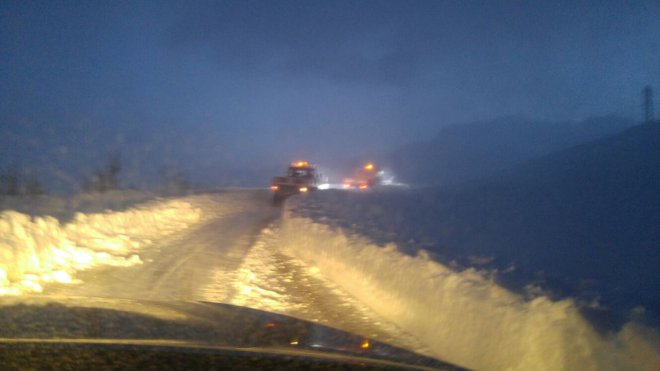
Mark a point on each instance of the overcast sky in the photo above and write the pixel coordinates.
(233, 80)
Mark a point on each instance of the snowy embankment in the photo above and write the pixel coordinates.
(463, 316)
(39, 249)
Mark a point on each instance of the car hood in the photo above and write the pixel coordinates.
(211, 327)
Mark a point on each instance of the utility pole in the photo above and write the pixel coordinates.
(647, 94)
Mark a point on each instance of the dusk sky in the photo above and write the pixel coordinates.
(231, 81)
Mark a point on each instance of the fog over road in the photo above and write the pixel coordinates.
(234, 257)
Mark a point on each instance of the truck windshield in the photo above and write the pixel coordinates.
(298, 172)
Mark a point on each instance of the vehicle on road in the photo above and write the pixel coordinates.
(364, 177)
(301, 177)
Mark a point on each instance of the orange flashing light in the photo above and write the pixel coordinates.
(369, 167)
(300, 163)
(363, 186)
(274, 187)
(365, 344)
(303, 189)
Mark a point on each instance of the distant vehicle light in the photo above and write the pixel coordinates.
(294, 342)
(324, 186)
(274, 187)
(369, 167)
(365, 344)
(346, 185)
(363, 186)
(303, 189)
(300, 164)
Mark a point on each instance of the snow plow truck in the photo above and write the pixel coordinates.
(301, 177)
(365, 177)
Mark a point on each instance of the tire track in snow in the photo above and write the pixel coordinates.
(271, 280)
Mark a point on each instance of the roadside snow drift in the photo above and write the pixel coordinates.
(464, 317)
(39, 249)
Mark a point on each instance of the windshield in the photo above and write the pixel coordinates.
(433, 183)
(300, 173)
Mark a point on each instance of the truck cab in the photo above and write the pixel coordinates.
(364, 177)
(301, 177)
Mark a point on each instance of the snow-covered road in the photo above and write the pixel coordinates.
(235, 257)
(236, 248)
(176, 267)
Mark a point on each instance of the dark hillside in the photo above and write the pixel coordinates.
(469, 151)
(588, 215)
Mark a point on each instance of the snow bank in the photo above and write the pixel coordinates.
(464, 317)
(37, 250)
